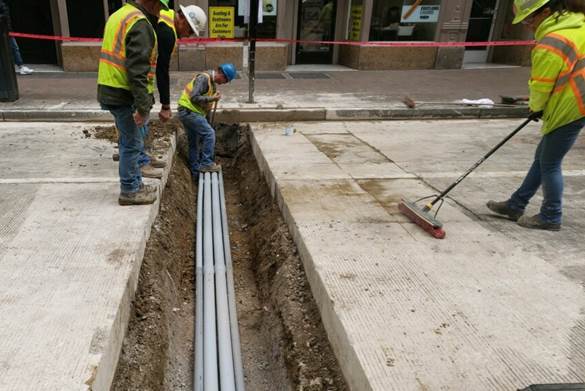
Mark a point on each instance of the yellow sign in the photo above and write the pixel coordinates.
(221, 22)
(356, 22)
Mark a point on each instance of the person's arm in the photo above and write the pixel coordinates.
(166, 44)
(547, 65)
(199, 95)
(139, 44)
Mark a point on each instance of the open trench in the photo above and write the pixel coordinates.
(284, 345)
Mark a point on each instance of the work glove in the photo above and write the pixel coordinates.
(535, 115)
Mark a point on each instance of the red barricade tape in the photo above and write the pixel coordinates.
(298, 41)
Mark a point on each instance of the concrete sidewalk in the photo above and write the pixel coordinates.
(69, 258)
(491, 307)
(333, 95)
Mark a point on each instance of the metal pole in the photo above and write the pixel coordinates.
(238, 366)
(198, 379)
(226, 357)
(210, 372)
(252, 53)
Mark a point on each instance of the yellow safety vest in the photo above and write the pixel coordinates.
(112, 69)
(557, 81)
(185, 99)
(168, 18)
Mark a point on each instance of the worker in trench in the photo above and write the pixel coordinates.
(198, 98)
(126, 86)
(557, 95)
(187, 21)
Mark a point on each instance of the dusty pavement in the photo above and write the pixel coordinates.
(491, 307)
(69, 257)
(334, 90)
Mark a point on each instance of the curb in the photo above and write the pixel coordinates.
(289, 115)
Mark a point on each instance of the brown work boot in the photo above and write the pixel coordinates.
(157, 163)
(535, 222)
(146, 195)
(213, 167)
(502, 208)
(149, 171)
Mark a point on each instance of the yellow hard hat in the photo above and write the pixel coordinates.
(523, 8)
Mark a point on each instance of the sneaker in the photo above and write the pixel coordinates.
(24, 70)
(213, 167)
(502, 208)
(157, 163)
(149, 171)
(144, 196)
(535, 222)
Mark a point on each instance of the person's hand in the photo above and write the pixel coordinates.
(165, 114)
(216, 97)
(139, 119)
(535, 115)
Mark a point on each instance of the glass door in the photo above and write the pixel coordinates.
(316, 23)
(480, 26)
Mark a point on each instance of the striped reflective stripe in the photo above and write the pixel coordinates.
(562, 48)
(564, 78)
(120, 44)
(167, 20)
(578, 86)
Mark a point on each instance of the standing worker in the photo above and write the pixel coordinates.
(126, 86)
(171, 26)
(557, 94)
(198, 98)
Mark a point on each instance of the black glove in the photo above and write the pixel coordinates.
(535, 115)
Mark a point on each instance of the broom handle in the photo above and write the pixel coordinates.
(478, 163)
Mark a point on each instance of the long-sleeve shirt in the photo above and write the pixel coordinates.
(140, 41)
(166, 45)
(199, 95)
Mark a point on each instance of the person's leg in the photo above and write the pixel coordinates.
(144, 159)
(130, 144)
(16, 52)
(521, 197)
(555, 146)
(188, 120)
(207, 135)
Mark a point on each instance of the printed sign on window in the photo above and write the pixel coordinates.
(422, 14)
(356, 22)
(221, 22)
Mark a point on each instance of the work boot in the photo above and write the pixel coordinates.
(149, 171)
(535, 222)
(213, 167)
(146, 195)
(502, 208)
(157, 163)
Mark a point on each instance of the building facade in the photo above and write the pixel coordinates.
(296, 25)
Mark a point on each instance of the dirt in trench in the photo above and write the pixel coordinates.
(284, 345)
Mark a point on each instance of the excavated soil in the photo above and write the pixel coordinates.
(284, 345)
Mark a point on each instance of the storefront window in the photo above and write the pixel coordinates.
(238, 28)
(397, 20)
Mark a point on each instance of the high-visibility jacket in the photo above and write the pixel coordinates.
(168, 18)
(112, 69)
(557, 82)
(185, 99)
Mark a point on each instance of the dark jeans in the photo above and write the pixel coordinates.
(546, 170)
(131, 144)
(199, 132)
(16, 52)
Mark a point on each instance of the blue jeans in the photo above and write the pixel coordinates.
(16, 52)
(144, 159)
(546, 170)
(131, 143)
(198, 132)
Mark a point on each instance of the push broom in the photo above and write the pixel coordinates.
(422, 216)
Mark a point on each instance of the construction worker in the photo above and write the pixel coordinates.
(557, 94)
(199, 96)
(172, 25)
(126, 86)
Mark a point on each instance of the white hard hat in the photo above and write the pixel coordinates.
(196, 18)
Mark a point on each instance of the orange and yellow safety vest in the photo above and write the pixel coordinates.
(185, 99)
(168, 18)
(112, 69)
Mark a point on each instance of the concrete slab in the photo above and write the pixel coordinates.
(69, 258)
(491, 307)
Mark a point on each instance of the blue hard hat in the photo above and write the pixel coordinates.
(229, 70)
